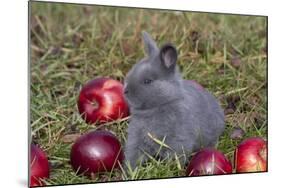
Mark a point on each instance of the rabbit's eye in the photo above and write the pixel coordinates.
(147, 81)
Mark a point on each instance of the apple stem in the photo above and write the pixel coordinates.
(95, 104)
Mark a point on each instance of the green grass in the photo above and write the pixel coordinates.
(71, 44)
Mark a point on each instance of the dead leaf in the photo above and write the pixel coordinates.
(93, 176)
(231, 104)
(69, 138)
(127, 47)
(56, 164)
(217, 58)
(194, 35)
(56, 50)
(235, 62)
(87, 10)
(77, 39)
(237, 133)
(228, 111)
(246, 119)
(221, 69)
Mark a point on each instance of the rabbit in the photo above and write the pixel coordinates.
(167, 109)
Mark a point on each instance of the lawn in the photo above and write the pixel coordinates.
(72, 44)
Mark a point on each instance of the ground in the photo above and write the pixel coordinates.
(72, 44)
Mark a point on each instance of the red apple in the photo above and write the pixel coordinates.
(102, 100)
(96, 151)
(208, 162)
(251, 155)
(39, 166)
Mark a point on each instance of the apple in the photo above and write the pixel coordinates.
(251, 155)
(39, 166)
(102, 100)
(96, 151)
(208, 161)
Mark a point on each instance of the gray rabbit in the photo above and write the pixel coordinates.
(168, 114)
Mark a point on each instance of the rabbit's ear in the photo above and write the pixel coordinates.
(149, 43)
(168, 56)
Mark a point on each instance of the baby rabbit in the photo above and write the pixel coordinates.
(166, 108)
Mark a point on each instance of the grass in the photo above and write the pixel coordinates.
(71, 44)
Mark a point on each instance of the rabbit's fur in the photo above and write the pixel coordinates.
(167, 108)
